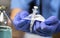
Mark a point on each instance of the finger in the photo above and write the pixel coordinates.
(51, 20)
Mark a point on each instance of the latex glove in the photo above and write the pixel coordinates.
(20, 23)
(48, 27)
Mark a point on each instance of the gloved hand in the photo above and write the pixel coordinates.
(22, 20)
(20, 23)
(48, 27)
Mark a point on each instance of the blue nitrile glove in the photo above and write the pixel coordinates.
(48, 27)
(20, 23)
(54, 24)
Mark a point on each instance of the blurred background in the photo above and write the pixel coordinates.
(16, 33)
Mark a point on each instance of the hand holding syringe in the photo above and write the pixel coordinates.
(34, 16)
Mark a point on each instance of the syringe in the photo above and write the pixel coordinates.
(33, 17)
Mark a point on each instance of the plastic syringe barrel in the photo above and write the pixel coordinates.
(33, 16)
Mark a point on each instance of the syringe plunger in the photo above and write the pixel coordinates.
(35, 7)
